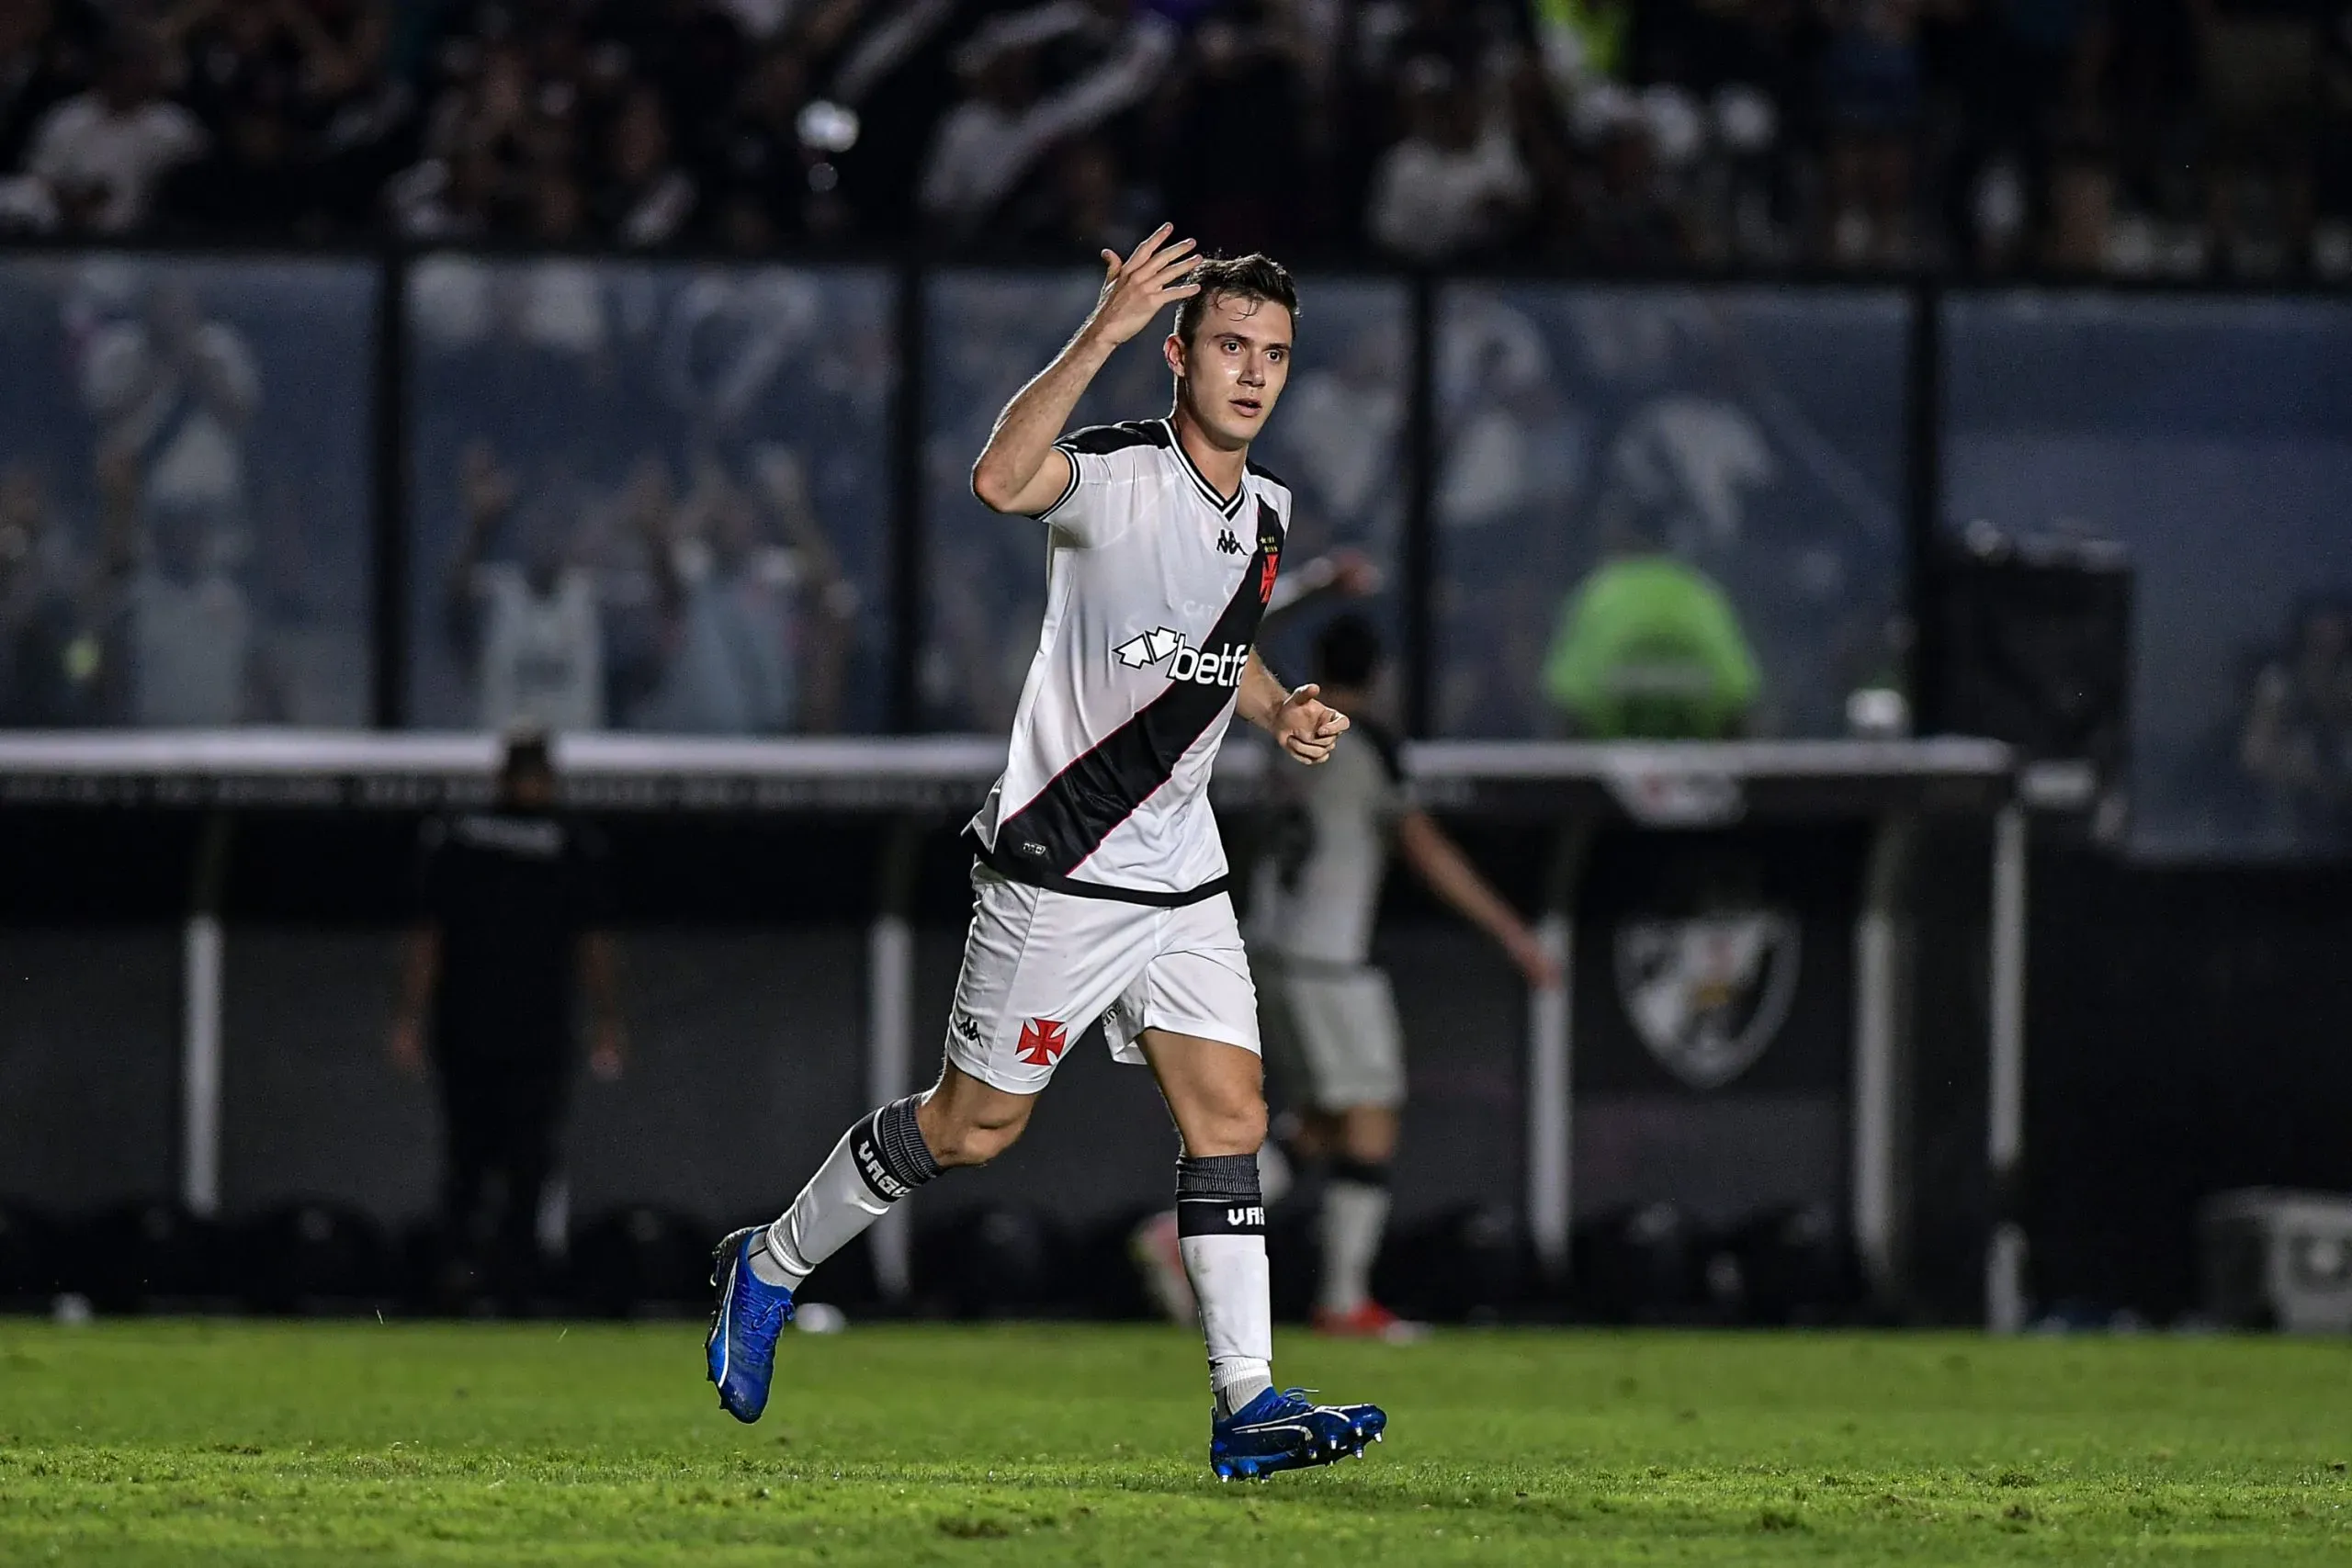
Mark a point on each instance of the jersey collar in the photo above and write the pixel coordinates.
(1226, 509)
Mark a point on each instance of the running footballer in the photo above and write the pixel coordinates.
(1099, 880)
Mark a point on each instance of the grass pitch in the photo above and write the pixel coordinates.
(197, 1443)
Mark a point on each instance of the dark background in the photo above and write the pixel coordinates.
(2183, 1034)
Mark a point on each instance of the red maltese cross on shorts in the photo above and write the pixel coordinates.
(1042, 1043)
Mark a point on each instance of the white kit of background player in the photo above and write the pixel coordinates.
(1099, 879)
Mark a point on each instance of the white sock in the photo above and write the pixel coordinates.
(1221, 1227)
(1230, 1280)
(1354, 1214)
(877, 1162)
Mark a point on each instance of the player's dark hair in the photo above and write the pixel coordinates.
(1347, 653)
(1253, 276)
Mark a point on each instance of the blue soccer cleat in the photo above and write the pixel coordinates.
(743, 1328)
(1289, 1431)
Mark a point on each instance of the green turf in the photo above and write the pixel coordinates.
(218, 1442)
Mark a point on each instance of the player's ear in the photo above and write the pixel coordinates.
(1174, 349)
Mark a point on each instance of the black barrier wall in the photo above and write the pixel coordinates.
(2182, 1037)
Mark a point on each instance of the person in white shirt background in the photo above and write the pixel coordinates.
(174, 393)
(98, 157)
(1455, 181)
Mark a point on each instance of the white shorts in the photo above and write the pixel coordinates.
(1039, 966)
(1335, 1027)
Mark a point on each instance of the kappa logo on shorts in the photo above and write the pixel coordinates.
(966, 1028)
(1042, 1043)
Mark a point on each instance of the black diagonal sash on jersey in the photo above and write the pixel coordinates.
(1049, 838)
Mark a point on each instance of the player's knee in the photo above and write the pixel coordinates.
(974, 1132)
(1237, 1126)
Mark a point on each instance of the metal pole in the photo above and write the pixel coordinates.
(1551, 1063)
(1877, 1092)
(890, 1033)
(200, 1030)
(1550, 1101)
(2005, 1257)
(200, 1065)
(889, 1011)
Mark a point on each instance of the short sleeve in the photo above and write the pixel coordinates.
(1081, 514)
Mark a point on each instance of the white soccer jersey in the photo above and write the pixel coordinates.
(1315, 894)
(1154, 588)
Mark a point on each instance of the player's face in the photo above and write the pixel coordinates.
(1231, 373)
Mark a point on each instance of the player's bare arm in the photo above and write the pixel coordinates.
(1020, 470)
(1439, 862)
(1299, 720)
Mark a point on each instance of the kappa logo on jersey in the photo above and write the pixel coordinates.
(1042, 1041)
(1184, 661)
(1226, 545)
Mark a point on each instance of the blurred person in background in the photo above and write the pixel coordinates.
(2298, 737)
(1091, 207)
(1345, 421)
(1328, 1013)
(182, 647)
(1455, 186)
(295, 100)
(1235, 104)
(990, 144)
(645, 196)
(742, 614)
(514, 904)
(1873, 100)
(529, 630)
(98, 159)
(173, 394)
(773, 183)
(1619, 207)
(49, 50)
(1649, 648)
(2259, 70)
(50, 656)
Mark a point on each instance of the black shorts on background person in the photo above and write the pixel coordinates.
(513, 897)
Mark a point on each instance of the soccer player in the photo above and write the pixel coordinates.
(1330, 1018)
(1099, 887)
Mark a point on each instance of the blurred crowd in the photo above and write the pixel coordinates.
(2166, 138)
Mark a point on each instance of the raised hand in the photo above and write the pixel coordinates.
(1136, 290)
